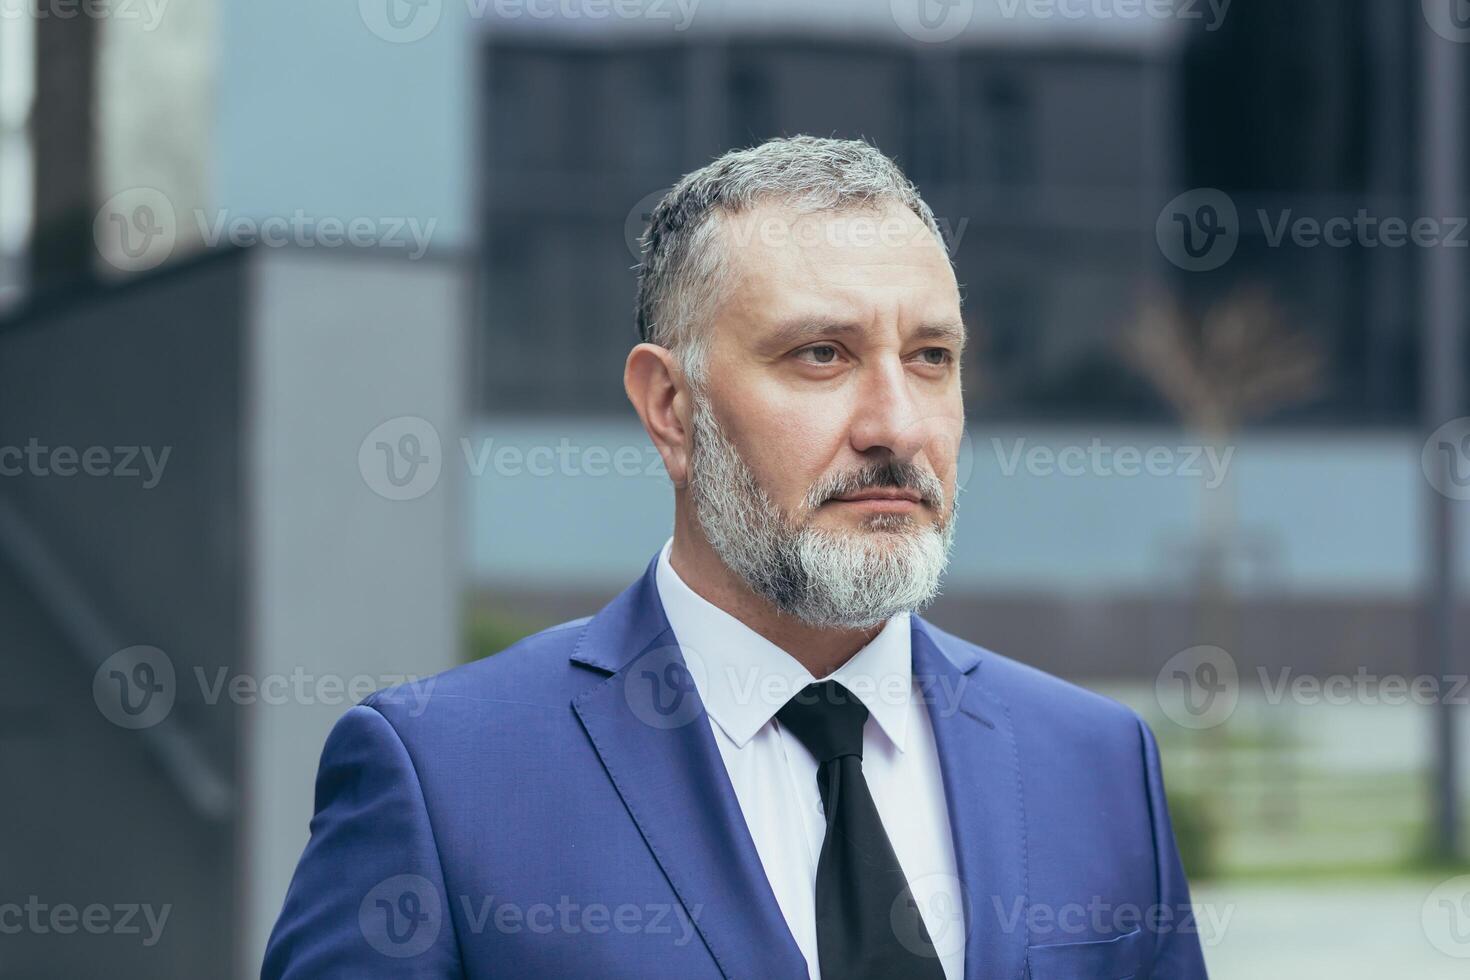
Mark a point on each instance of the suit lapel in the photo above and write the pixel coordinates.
(977, 757)
(649, 728)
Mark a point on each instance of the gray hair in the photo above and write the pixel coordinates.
(681, 274)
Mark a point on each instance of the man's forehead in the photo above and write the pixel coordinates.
(783, 264)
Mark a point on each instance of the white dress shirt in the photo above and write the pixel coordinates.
(743, 680)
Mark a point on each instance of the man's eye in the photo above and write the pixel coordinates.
(820, 354)
(936, 355)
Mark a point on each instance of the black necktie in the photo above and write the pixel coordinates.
(867, 923)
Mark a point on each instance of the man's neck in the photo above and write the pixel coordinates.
(819, 650)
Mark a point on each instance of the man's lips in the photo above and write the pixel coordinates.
(882, 495)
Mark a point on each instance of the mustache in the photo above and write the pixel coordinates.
(893, 474)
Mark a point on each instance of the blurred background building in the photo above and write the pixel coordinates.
(406, 445)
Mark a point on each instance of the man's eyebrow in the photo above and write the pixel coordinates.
(951, 331)
(806, 329)
(795, 332)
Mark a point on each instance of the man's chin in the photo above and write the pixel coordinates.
(879, 528)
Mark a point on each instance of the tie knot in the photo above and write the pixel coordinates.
(827, 719)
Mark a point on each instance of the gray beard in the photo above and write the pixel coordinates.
(826, 579)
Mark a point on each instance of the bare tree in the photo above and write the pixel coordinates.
(1239, 361)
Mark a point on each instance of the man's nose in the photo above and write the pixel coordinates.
(886, 415)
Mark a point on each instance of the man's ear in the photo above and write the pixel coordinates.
(655, 386)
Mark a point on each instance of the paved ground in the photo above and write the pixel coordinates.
(1369, 930)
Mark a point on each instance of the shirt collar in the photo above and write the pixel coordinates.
(743, 679)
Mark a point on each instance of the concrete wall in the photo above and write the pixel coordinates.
(273, 571)
(348, 586)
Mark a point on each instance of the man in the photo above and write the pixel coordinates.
(758, 761)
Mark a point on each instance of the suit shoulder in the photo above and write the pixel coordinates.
(1038, 695)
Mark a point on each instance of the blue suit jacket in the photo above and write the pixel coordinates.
(561, 810)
